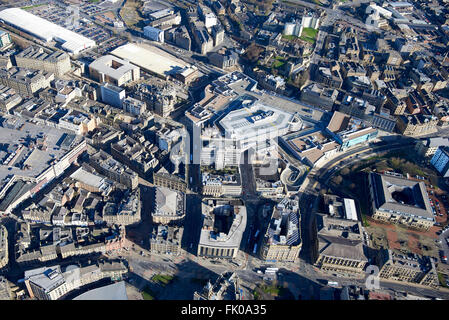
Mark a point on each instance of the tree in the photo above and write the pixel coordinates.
(337, 180)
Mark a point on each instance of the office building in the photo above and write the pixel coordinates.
(113, 70)
(36, 58)
(428, 147)
(112, 95)
(24, 81)
(52, 283)
(5, 40)
(134, 106)
(166, 240)
(407, 267)
(282, 241)
(339, 246)
(398, 200)
(440, 161)
(153, 34)
(169, 205)
(224, 222)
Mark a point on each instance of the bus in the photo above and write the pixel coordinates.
(255, 249)
(256, 234)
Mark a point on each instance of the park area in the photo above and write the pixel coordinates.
(309, 35)
(130, 14)
(272, 291)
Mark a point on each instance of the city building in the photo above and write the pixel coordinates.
(52, 283)
(112, 95)
(92, 182)
(134, 155)
(428, 147)
(339, 246)
(8, 98)
(216, 184)
(226, 287)
(127, 212)
(407, 267)
(255, 123)
(170, 181)
(4, 257)
(24, 81)
(440, 161)
(399, 200)
(169, 205)
(224, 222)
(223, 58)
(113, 70)
(319, 96)
(282, 241)
(417, 124)
(5, 40)
(384, 121)
(111, 168)
(161, 64)
(166, 240)
(36, 58)
(208, 17)
(343, 208)
(134, 106)
(45, 30)
(153, 34)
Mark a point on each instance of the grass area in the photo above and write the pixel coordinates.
(442, 280)
(309, 35)
(289, 37)
(278, 62)
(147, 294)
(34, 6)
(163, 279)
(274, 290)
(130, 13)
(365, 220)
(256, 295)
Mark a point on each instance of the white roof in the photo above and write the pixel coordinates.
(150, 58)
(115, 291)
(350, 210)
(87, 178)
(46, 30)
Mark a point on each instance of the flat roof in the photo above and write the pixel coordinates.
(104, 65)
(150, 59)
(37, 160)
(256, 120)
(385, 186)
(87, 178)
(46, 30)
(115, 291)
(350, 210)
